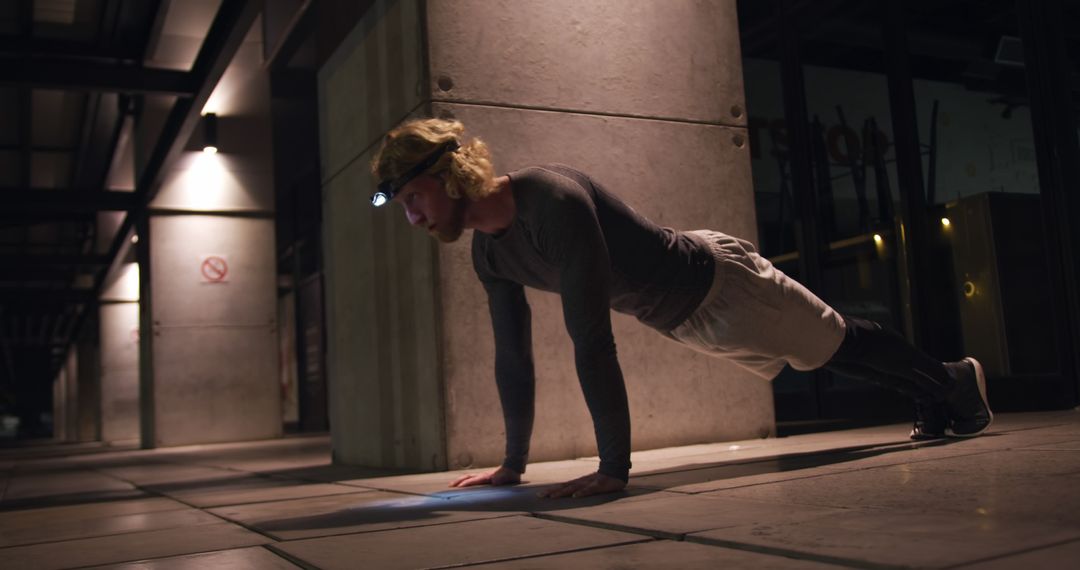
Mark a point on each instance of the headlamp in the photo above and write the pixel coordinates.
(389, 188)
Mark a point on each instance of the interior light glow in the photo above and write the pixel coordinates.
(134, 239)
(878, 239)
(945, 222)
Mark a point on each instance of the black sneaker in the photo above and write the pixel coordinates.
(967, 406)
(931, 420)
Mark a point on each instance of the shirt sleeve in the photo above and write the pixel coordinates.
(514, 372)
(571, 239)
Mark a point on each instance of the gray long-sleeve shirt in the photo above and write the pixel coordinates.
(571, 237)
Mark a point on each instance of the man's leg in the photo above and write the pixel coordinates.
(931, 417)
(950, 397)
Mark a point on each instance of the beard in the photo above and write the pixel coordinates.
(451, 230)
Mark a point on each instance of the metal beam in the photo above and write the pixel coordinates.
(15, 46)
(295, 32)
(44, 200)
(1043, 27)
(13, 219)
(226, 35)
(53, 260)
(74, 75)
(909, 173)
(23, 274)
(22, 297)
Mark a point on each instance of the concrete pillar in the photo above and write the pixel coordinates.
(209, 362)
(88, 425)
(645, 96)
(59, 406)
(66, 399)
(119, 333)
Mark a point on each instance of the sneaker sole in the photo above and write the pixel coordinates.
(980, 380)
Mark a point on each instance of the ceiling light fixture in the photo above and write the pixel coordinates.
(209, 125)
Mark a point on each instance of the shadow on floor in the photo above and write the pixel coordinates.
(523, 497)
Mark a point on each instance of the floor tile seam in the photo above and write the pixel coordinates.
(267, 501)
(222, 518)
(793, 479)
(791, 553)
(835, 509)
(766, 459)
(1030, 428)
(642, 540)
(150, 487)
(879, 509)
(1028, 550)
(1037, 447)
(284, 484)
(839, 509)
(735, 545)
(927, 460)
(395, 491)
(289, 557)
(88, 498)
(396, 528)
(165, 557)
(118, 534)
(171, 508)
(651, 533)
(831, 472)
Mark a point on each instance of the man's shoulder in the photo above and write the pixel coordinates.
(550, 174)
(546, 188)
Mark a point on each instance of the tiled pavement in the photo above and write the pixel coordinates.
(864, 498)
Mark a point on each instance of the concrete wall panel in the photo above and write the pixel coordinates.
(206, 182)
(214, 344)
(59, 406)
(645, 96)
(373, 81)
(119, 372)
(382, 352)
(89, 398)
(673, 59)
(680, 175)
(216, 384)
(184, 297)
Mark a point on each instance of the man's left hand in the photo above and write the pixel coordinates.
(593, 484)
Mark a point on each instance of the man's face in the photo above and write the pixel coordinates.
(427, 206)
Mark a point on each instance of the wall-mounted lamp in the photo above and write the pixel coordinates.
(209, 125)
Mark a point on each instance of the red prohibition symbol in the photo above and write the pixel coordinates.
(214, 269)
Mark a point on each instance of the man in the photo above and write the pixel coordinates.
(553, 228)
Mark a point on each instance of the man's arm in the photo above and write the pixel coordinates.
(514, 371)
(570, 238)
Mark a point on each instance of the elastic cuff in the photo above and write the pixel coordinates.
(620, 474)
(515, 463)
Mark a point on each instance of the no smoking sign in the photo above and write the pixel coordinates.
(214, 269)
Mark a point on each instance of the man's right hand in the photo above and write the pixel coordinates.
(500, 476)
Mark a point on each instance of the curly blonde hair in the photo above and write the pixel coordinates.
(470, 172)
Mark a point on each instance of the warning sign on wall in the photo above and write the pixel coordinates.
(214, 269)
